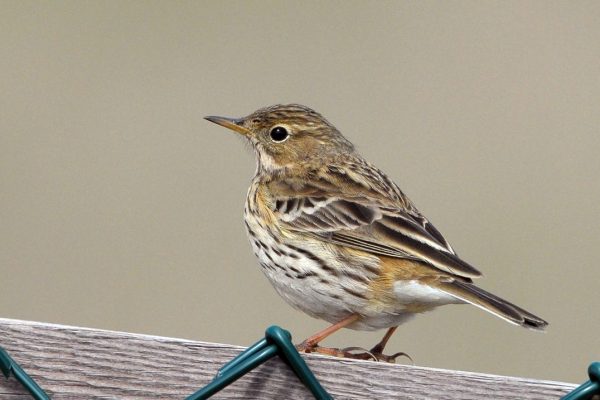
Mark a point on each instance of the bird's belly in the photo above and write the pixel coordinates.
(298, 278)
(309, 276)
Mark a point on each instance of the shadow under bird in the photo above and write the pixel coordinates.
(340, 241)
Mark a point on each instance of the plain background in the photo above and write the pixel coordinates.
(121, 208)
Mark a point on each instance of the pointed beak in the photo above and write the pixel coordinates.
(235, 124)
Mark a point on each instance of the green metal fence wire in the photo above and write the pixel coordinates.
(10, 366)
(277, 341)
(590, 388)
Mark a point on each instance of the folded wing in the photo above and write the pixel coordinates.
(367, 225)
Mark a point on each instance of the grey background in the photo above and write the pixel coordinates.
(121, 208)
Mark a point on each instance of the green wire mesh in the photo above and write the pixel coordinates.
(276, 341)
(10, 367)
(587, 390)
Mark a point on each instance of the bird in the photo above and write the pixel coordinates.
(339, 240)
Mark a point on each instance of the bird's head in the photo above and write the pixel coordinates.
(287, 136)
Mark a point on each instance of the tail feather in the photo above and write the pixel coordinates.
(493, 304)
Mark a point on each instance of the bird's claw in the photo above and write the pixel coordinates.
(357, 353)
(393, 357)
(373, 355)
(330, 351)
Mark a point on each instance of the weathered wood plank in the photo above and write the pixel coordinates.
(80, 363)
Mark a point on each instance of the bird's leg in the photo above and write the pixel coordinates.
(378, 348)
(312, 343)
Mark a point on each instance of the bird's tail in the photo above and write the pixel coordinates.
(493, 304)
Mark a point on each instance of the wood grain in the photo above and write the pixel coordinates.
(80, 363)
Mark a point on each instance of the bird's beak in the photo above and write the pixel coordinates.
(235, 124)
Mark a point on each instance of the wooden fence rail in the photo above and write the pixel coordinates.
(81, 363)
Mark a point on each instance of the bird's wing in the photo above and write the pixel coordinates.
(364, 223)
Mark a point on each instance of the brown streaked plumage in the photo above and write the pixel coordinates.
(339, 240)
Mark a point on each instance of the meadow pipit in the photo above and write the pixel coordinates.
(339, 240)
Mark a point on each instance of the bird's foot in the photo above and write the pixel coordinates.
(305, 347)
(357, 353)
(374, 354)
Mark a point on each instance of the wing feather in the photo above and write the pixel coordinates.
(366, 225)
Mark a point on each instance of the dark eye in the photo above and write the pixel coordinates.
(279, 134)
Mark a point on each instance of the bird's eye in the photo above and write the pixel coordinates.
(279, 134)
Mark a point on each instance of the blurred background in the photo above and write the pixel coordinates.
(121, 208)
